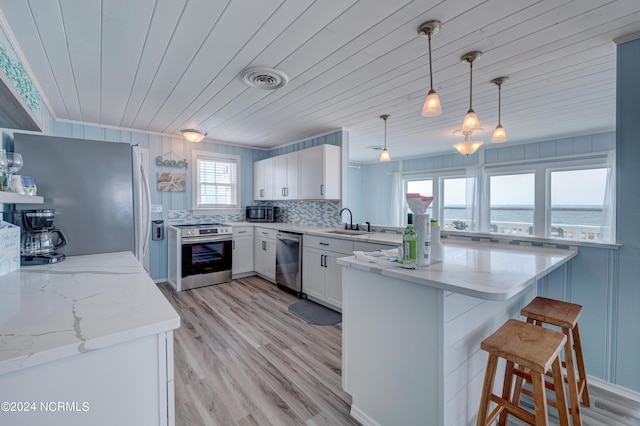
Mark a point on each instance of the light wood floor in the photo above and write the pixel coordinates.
(242, 359)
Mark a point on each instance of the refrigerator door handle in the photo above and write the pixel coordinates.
(147, 208)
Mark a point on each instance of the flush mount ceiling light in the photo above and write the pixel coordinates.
(193, 135)
(264, 78)
(467, 146)
(431, 107)
(499, 135)
(384, 156)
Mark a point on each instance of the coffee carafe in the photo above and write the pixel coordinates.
(39, 238)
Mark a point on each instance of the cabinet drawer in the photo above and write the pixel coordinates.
(331, 244)
(244, 231)
(265, 233)
(360, 246)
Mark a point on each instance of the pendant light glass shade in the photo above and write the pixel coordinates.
(471, 122)
(192, 135)
(384, 156)
(431, 107)
(467, 146)
(499, 134)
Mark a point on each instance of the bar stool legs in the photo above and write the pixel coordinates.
(565, 316)
(535, 348)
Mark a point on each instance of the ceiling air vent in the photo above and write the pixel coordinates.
(264, 78)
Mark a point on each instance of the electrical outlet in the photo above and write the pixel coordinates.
(156, 208)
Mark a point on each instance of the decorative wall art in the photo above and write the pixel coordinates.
(172, 182)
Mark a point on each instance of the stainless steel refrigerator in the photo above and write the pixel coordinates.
(98, 190)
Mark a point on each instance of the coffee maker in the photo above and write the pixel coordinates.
(39, 239)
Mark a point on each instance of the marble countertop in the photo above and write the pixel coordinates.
(323, 231)
(82, 304)
(486, 270)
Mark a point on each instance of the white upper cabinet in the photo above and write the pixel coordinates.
(309, 174)
(263, 179)
(286, 177)
(320, 173)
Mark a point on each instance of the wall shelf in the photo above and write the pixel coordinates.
(13, 198)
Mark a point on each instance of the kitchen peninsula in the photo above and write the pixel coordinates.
(411, 338)
(86, 341)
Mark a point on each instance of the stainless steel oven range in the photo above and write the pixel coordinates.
(199, 255)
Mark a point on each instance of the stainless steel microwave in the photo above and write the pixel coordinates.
(262, 213)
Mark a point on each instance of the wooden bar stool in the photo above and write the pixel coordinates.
(565, 316)
(535, 348)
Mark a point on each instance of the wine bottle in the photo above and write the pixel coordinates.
(409, 242)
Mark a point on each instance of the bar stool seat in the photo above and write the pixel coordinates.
(565, 316)
(535, 349)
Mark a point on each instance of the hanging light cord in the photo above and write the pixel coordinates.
(470, 84)
(499, 98)
(430, 69)
(385, 133)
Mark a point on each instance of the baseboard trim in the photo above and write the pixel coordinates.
(615, 389)
(360, 416)
(161, 280)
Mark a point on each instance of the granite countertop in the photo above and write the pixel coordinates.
(486, 270)
(84, 303)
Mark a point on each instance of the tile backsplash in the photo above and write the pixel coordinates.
(315, 213)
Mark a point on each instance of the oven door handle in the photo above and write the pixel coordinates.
(195, 240)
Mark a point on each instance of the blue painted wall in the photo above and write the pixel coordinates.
(626, 359)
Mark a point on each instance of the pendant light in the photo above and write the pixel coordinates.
(499, 135)
(384, 156)
(467, 146)
(471, 124)
(193, 135)
(431, 107)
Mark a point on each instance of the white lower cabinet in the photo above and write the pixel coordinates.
(321, 275)
(242, 259)
(264, 253)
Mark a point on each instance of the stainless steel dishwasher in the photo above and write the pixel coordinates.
(289, 261)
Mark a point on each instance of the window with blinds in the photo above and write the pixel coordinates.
(216, 183)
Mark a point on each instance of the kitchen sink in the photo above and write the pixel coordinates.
(347, 232)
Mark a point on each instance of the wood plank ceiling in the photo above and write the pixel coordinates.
(162, 66)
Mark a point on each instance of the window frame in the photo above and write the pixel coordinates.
(542, 188)
(485, 204)
(574, 167)
(195, 187)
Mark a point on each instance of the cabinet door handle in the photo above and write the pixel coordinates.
(323, 260)
(242, 232)
(282, 191)
(233, 243)
(264, 243)
(262, 193)
(321, 189)
(324, 244)
(286, 192)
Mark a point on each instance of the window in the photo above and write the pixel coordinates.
(576, 205)
(215, 178)
(455, 214)
(511, 203)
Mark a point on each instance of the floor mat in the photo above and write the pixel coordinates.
(314, 313)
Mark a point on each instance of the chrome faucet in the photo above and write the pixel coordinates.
(357, 228)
